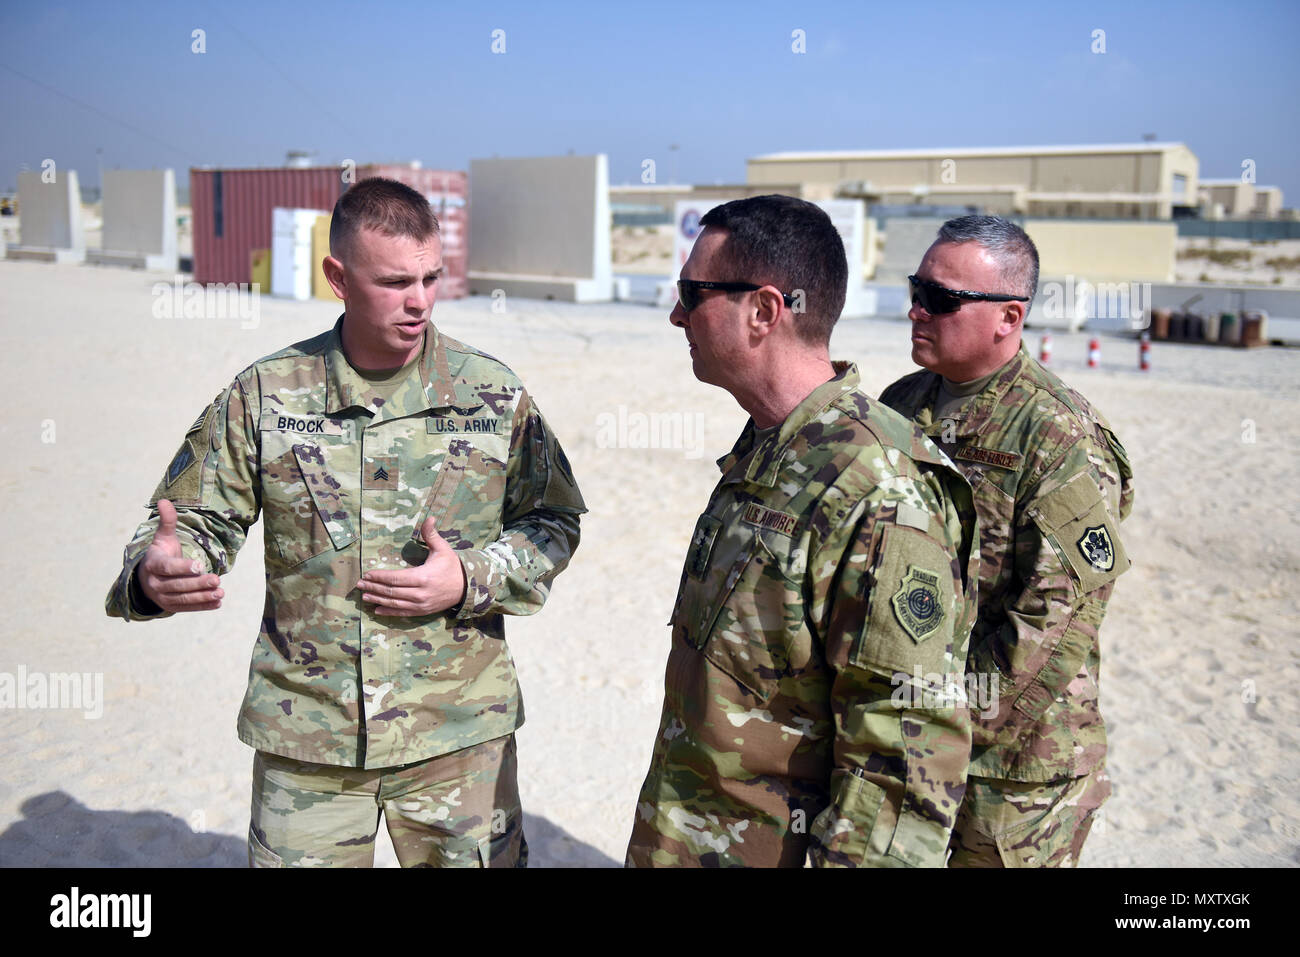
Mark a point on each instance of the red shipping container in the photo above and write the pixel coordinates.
(232, 213)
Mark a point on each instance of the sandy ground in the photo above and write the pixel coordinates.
(1200, 657)
(1273, 263)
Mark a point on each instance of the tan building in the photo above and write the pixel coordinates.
(1124, 181)
(1234, 199)
(639, 198)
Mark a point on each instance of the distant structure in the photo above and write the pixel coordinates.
(232, 215)
(640, 204)
(50, 227)
(139, 215)
(541, 228)
(1233, 199)
(1121, 181)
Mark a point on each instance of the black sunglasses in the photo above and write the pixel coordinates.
(939, 300)
(688, 291)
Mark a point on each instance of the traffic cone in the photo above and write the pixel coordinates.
(1094, 353)
(1045, 349)
(1144, 352)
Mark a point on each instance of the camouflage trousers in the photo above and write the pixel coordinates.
(455, 810)
(1026, 823)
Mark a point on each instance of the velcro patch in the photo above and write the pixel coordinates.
(764, 517)
(1003, 460)
(300, 424)
(918, 604)
(697, 556)
(380, 472)
(438, 424)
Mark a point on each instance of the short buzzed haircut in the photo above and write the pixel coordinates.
(791, 244)
(1010, 246)
(384, 205)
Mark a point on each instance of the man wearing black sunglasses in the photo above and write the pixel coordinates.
(1051, 484)
(832, 569)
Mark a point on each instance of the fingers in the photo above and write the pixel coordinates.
(436, 543)
(166, 519)
(394, 577)
(178, 584)
(187, 584)
(162, 566)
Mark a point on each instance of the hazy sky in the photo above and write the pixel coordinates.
(381, 82)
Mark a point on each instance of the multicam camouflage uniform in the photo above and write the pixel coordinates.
(813, 697)
(345, 481)
(1051, 484)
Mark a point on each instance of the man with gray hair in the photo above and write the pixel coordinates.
(1051, 483)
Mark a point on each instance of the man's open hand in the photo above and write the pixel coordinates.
(435, 586)
(169, 579)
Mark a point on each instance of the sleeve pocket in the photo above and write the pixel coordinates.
(911, 610)
(841, 834)
(1075, 519)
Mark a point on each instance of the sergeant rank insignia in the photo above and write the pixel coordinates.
(917, 603)
(1095, 545)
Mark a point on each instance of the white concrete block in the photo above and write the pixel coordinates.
(50, 227)
(541, 224)
(139, 219)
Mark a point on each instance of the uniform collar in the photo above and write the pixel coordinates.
(344, 388)
(979, 408)
(762, 463)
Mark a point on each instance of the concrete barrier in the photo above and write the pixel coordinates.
(139, 220)
(539, 228)
(50, 228)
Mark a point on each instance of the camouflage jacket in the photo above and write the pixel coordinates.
(345, 481)
(813, 698)
(1052, 483)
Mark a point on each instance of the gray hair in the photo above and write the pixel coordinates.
(1010, 245)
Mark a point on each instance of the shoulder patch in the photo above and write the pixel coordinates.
(1097, 548)
(183, 459)
(918, 603)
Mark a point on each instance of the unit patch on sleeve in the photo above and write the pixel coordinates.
(917, 604)
(1095, 546)
(183, 460)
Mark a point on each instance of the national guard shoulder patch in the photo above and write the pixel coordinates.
(917, 604)
(1095, 546)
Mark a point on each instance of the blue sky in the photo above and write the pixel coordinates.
(400, 81)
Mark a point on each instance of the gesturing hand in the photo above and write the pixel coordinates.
(432, 587)
(169, 579)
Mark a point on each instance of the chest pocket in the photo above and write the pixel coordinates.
(302, 500)
(741, 600)
(466, 490)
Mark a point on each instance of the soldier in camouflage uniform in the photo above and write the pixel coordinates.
(813, 700)
(1051, 483)
(413, 494)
